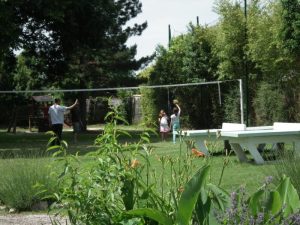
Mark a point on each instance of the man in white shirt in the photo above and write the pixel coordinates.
(56, 116)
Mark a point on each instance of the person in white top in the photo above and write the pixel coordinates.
(163, 125)
(175, 122)
(56, 116)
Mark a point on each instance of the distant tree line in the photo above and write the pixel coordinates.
(82, 44)
(264, 45)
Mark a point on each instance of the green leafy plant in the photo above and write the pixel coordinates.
(288, 163)
(194, 204)
(280, 205)
(99, 191)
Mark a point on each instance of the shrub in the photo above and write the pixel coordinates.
(232, 107)
(126, 105)
(150, 109)
(20, 180)
(268, 104)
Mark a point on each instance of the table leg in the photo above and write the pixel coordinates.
(239, 152)
(253, 151)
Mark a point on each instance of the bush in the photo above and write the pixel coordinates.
(150, 109)
(20, 182)
(126, 105)
(269, 105)
(232, 107)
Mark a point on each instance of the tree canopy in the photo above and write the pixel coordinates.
(265, 45)
(78, 41)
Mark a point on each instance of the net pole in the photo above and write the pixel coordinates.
(241, 101)
(220, 97)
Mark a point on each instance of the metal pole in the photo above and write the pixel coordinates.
(246, 67)
(170, 36)
(241, 100)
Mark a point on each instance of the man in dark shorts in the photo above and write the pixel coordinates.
(56, 117)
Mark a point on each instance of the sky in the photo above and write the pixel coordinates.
(160, 13)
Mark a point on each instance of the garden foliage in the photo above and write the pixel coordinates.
(120, 186)
(23, 181)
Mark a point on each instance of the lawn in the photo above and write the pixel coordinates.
(236, 174)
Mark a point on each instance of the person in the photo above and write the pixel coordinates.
(175, 122)
(76, 122)
(56, 116)
(163, 125)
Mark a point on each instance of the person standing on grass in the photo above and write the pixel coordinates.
(175, 122)
(163, 125)
(56, 116)
(76, 122)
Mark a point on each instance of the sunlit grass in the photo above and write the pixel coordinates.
(236, 173)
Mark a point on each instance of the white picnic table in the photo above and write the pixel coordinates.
(241, 137)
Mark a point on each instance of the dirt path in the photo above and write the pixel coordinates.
(21, 219)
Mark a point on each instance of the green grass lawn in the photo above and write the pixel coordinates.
(235, 175)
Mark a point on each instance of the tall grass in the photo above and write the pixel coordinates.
(21, 182)
(289, 164)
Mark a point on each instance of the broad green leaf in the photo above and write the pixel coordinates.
(56, 153)
(147, 140)
(274, 203)
(53, 147)
(254, 202)
(128, 193)
(204, 195)
(212, 219)
(51, 140)
(152, 214)
(64, 143)
(289, 196)
(124, 132)
(202, 210)
(220, 196)
(121, 119)
(190, 196)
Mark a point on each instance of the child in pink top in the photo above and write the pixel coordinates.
(163, 125)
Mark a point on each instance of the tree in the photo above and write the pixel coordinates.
(189, 59)
(231, 42)
(291, 26)
(73, 44)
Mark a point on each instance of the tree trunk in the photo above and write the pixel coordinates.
(13, 121)
(83, 110)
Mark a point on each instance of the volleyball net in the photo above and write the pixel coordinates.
(204, 104)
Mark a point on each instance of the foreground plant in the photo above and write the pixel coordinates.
(98, 191)
(195, 203)
(266, 206)
(20, 182)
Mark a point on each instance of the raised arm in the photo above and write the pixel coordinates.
(72, 106)
(179, 109)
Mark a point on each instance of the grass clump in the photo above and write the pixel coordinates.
(21, 182)
(288, 164)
